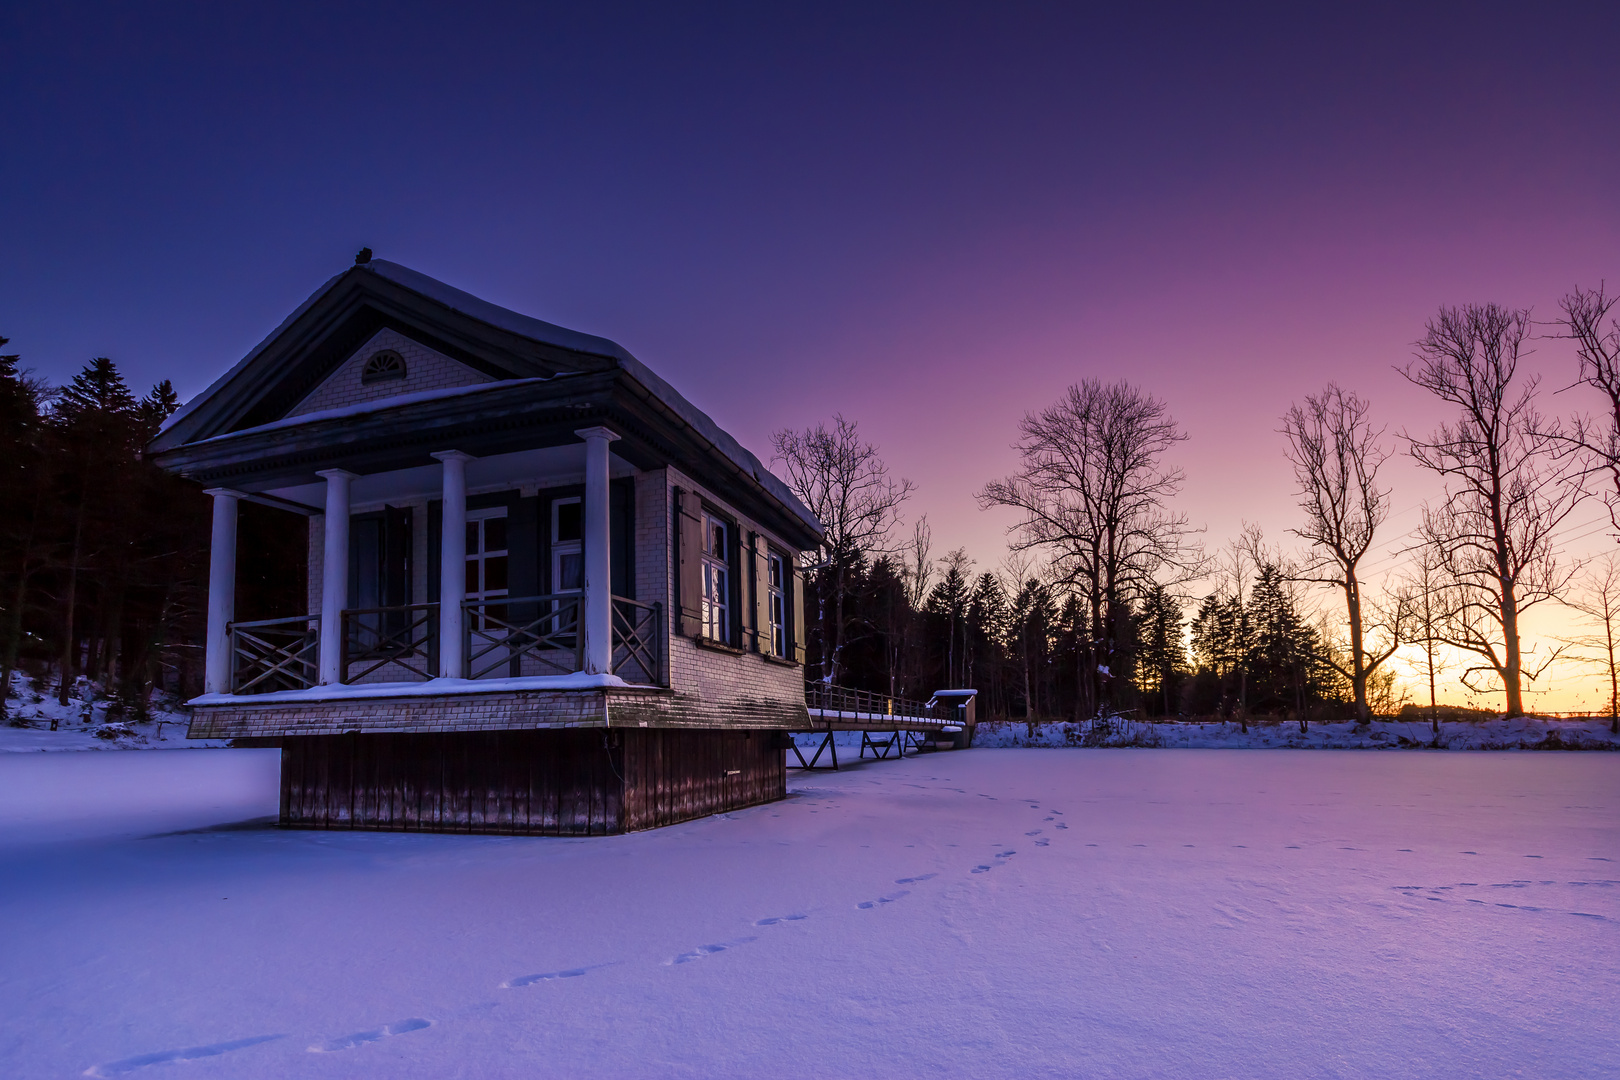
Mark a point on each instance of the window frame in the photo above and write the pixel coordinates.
(482, 555)
(556, 549)
(778, 580)
(708, 563)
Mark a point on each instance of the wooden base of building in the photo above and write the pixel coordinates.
(569, 782)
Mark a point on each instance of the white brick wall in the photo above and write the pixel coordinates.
(425, 369)
(710, 674)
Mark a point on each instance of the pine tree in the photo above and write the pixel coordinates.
(1163, 659)
(987, 615)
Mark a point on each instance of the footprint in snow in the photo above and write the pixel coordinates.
(1005, 854)
(708, 950)
(774, 919)
(914, 880)
(866, 905)
(1047, 819)
(163, 1057)
(980, 869)
(1042, 843)
(361, 1038)
(1035, 832)
(552, 976)
(1060, 825)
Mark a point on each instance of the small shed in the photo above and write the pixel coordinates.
(958, 706)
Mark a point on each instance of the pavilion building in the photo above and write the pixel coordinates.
(546, 593)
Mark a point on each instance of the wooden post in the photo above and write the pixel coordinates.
(597, 622)
(334, 573)
(453, 566)
(217, 663)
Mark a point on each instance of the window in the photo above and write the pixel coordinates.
(716, 578)
(382, 366)
(776, 603)
(487, 557)
(567, 546)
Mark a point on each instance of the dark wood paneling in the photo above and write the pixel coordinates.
(571, 783)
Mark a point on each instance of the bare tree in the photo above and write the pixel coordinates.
(844, 482)
(1424, 596)
(1597, 597)
(1507, 489)
(919, 570)
(1336, 455)
(1091, 490)
(1596, 333)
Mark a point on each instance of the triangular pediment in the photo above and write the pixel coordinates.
(444, 337)
(387, 365)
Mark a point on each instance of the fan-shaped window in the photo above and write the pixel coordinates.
(383, 366)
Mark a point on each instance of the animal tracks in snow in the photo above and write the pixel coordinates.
(551, 976)
(1492, 898)
(708, 950)
(867, 905)
(914, 880)
(775, 919)
(361, 1038)
(164, 1057)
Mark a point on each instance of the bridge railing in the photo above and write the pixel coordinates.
(866, 704)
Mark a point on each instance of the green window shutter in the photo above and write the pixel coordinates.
(797, 631)
(762, 595)
(689, 547)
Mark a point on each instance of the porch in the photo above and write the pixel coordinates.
(486, 624)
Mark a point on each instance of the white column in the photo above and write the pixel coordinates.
(453, 565)
(334, 573)
(598, 621)
(221, 592)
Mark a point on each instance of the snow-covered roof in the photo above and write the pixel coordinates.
(510, 322)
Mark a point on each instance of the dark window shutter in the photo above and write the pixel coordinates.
(797, 631)
(762, 594)
(689, 548)
(396, 556)
(435, 538)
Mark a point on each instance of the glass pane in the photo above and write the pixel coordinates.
(570, 572)
(495, 573)
(472, 577)
(776, 571)
(472, 537)
(495, 534)
(717, 539)
(568, 523)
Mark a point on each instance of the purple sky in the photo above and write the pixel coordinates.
(929, 219)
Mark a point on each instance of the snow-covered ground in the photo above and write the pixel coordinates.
(1518, 733)
(1019, 913)
(84, 722)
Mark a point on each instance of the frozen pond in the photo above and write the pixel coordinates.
(1020, 913)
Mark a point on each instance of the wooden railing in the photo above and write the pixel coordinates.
(274, 654)
(512, 636)
(864, 703)
(638, 641)
(405, 636)
(508, 636)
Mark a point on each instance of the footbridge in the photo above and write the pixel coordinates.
(944, 721)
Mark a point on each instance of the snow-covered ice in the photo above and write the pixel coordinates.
(1028, 913)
